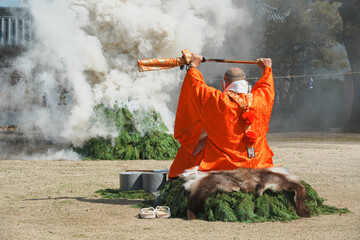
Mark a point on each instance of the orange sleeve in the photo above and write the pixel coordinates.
(200, 94)
(209, 107)
(188, 126)
(264, 90)
(188, 121)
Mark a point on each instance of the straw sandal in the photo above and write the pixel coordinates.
(162, 212)
(147, 213)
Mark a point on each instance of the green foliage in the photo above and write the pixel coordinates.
(308, 34)
(306, 42)
(130, 144)
(246, 207)
(147, 198)
(118, 194)
(174, 195)
(220, 207)
(158, 145)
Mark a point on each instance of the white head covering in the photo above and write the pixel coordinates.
(241, 86)
(237, 77)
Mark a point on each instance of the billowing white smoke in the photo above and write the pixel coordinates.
(90, 48)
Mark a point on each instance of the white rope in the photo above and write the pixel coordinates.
(302, 76)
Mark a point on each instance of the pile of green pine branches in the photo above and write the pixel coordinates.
(130, 144)
(245, 207)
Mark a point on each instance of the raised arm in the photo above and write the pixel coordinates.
(264, 87)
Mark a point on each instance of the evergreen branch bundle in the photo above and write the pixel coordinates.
(155, 143)
(118, 194)
(245, 207)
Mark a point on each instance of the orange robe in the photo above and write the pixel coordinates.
(202, 107)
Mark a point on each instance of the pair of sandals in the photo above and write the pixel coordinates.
(158, 212)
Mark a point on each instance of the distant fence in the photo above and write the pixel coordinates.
(15, 31)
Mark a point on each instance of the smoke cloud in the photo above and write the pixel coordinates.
(85, 53)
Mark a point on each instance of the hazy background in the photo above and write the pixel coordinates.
(86, 51)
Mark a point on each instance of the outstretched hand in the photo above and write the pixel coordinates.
(264, 62)
(195, 60)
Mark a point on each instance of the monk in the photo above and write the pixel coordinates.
(223, 130)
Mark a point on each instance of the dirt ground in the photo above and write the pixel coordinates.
(57, 199)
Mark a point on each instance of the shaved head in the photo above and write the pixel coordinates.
(234, 74)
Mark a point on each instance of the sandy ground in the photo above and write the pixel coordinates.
(57, 199)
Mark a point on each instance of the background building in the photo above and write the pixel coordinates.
(15, 33)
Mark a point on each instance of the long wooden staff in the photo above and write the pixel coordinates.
(166, 63)
(229, 61)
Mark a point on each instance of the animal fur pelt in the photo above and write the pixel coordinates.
(201, 185)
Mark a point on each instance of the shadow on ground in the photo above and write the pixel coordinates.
(99, 201)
